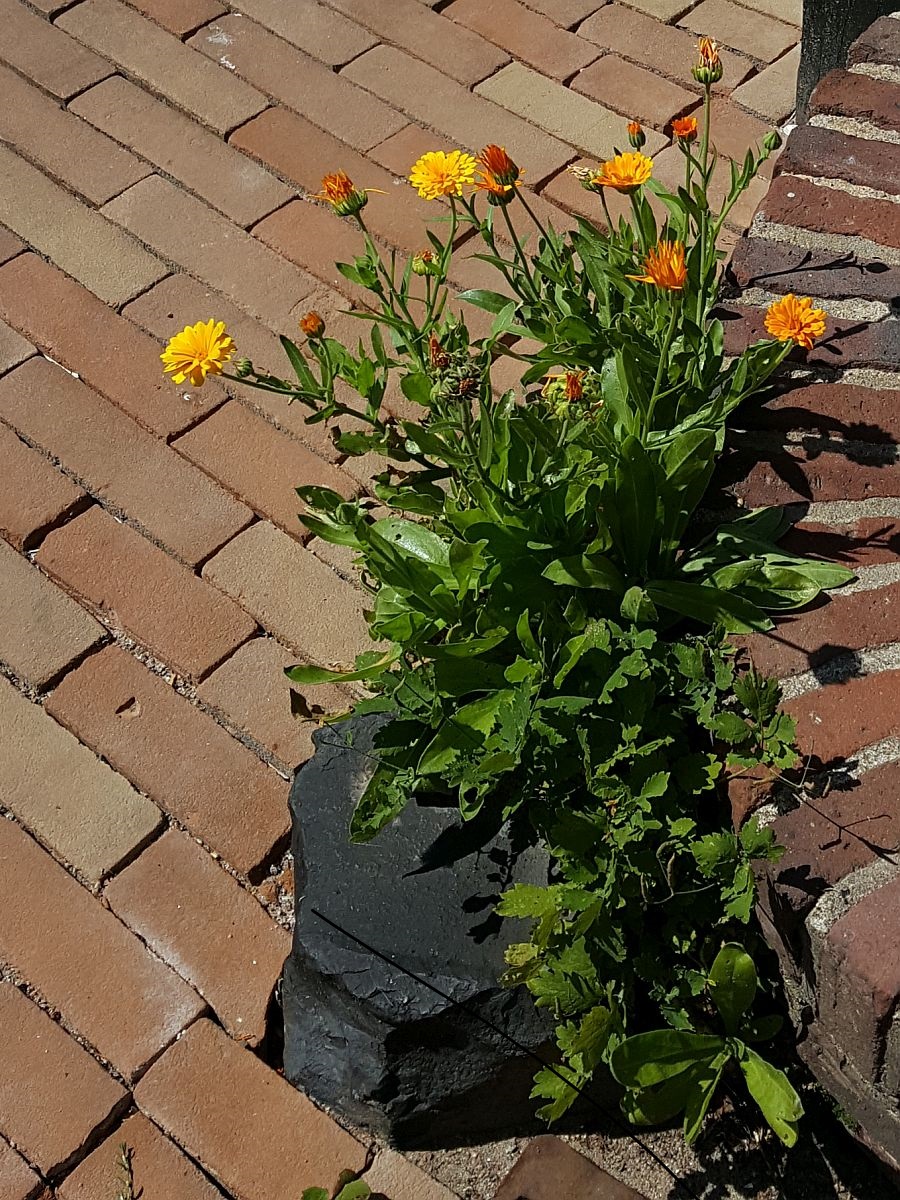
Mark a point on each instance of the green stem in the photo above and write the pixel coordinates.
(663, 361)
(704, 212)
(520, 254)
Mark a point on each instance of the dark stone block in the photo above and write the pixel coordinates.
(828, 30)
(362, 1036)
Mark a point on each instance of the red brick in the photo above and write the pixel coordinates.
(319, 614)
(260, 464)
(455, 51)
(299, 81)
(42, 631)
(566, 13)
(549, 1168)
(126, 1003)
(129, 469)
(214, 933)
(733, 132)
(77, 237)
(10, 245)
(773, 92)
(17, 1180)
(304, 154)
(469, 120)
(862, 543)
(313, 28)
(853, 622)
(878, 44)
(781, 267)
(183, 149)
(66, 148)
(838, 721)
(859, 977)
(635, 92)
(54, 1098)
(797, 202)
(178, 755)
(244, 1124)
(110, 354)
(142, 591)
(832, 155)
(211, 247)
(45, 54)
(664, 48)
(14, 349)
(846, 94)
(76, 805)
(251, 692)
(158, 1167)
(525, 34)
(790, 11)
(179, 16)
(163, 63)
(796, 473)
(753, 33)
(860, 414)
(166, 308)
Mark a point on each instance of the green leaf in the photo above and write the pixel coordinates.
(585, 572)
(650, 1058)
(315, 1193)
(700, 1096)
(714, 850)
(709, 605)
(553, 1084)
(307, 674)
(730, 728)
(386, 795)
(301, 370)
(491, 302)
(772, 1090)
(463, 732)
(417, 388)
(733, 984)
(528, 900)
(357, 1190)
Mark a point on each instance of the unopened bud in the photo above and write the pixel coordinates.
(425, 263)
(772, 141)
(243, 367)
(312, 325)
(636, 135)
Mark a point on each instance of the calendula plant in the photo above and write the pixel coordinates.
(550, 613)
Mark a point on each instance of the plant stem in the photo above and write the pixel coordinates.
(663, 361)
(520, 255)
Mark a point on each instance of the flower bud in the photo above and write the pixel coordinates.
(585, 177)
(772, 141)
(425, 263)
(636, 135)
(243, 367)
(709, 69)
(312, 325)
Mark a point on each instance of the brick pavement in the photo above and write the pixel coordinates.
(160, 158)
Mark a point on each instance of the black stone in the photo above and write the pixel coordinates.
(829, 26)
(360, 1035)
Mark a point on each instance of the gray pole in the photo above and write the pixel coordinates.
(829, 26)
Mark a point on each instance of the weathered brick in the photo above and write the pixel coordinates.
(44, 53)
(830, 409)
(54, 1098)
(566, 13)
(847, 342)
(183, 149)
(80, 332)
(773, 92)
(243, 1123)
(790, 11)
(17, 1180)
(126, 1003)
(42, 631)
(393, 1175)
(636, 93)
(455, 51)
(846, 94)
(14, 349)
(800, 203)
(320, 615)
(549, 1164)
(75, 804)
(85, 160)
(178, 755)
(260, 464)
(559, 111)
(859, 977)
(753, 33)
(526, 34)
(179, 16)
(132, 471)
(865, 162)
(299, 81)
(211, 247)
(665, 48)
(734, 132)
(836, 722)
(299, 150)
(144, 592)
(433, 99)
(877, 44)
(215, 934)
(806, 473)
(10, 245)
(251, 692)
(781, 267)
(861, 543)
(163, 63)
(312, 27)
(814, 637)
(174, 302)
(80, 240)
(158, 1167)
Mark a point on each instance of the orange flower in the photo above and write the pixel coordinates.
(437, 355)
(665, 266)
(339, 190)
(495, 161)
(312, 324)
(709, 69)
(793, 319)
(685, 129)
(636, 135)
(574, 385)
(624, 173)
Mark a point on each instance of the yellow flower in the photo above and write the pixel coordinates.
(624, 173)
(793, 319)
(339, 190)
(685, 129)
(199, 350)
(438, 174)
(665, 266)
(709, 68)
